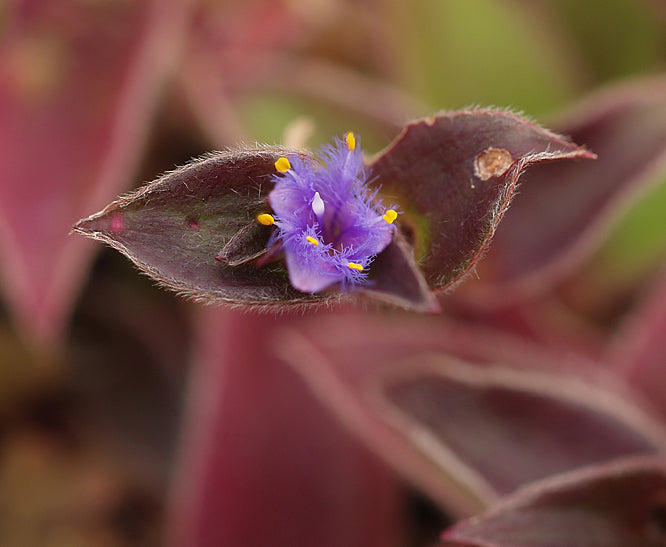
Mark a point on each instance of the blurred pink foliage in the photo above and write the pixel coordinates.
(278, 470)
(78, 89)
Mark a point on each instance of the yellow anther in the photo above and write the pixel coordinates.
(390, 216)
(282, 165)
(265, 219)
(312, 240)
(351, 141)
(354, 266)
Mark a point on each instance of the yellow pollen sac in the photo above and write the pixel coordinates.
(312, 240)
(351, 141)
(354, 266)
(282, 165)
(265, 219)
(390, 216)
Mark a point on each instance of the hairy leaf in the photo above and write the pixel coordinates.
(565, 210)
(194, 229)
(455, 175)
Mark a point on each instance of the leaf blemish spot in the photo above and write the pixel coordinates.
(492, 162)
(117, 222)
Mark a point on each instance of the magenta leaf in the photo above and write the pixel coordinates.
(564, 210)
(262, 462)
(193, 230)
(77, 85)
(619, 504)
(456, 174)
(465, 416)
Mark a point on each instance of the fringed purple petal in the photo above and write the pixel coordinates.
(329, 225)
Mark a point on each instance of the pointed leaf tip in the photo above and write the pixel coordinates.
(195, 231)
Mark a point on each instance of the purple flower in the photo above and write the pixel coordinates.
(327, 222)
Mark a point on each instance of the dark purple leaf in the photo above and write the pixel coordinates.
(194, 230)
(463, 414)
(78, 82)
(621, 504)
(263, 463)
(454, 175)
(397, 279)
(564, 210)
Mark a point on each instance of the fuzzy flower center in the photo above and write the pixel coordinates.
(328, 223)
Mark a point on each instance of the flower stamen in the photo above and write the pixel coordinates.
(390, 216)
(312, 240)
(355, 266)
(265, 219)
(351, 141)
(282, 165)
